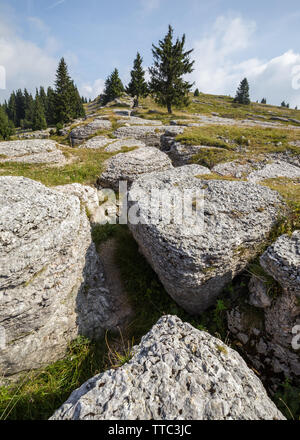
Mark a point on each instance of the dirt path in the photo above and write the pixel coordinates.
(114, 282)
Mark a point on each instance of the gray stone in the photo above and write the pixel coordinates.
(52, 286)
(259, 293)
(129, 166)
(195, 261)
(176, 373)
(84, 131)
(97, 142)
(273, 170)
(31, 151)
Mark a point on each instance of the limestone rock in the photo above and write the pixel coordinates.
(273, 170)
(259, 293)
(129, 166)
(86, 194)
(282, 262)
(124, 143)
(176, 373)
(97, 142)
(82, 132)
(133, 120)
(31, 151)
(195, 261)
(52, 286)
(150, 135)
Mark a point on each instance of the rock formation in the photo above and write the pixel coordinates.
(52, 286)
(82, 132)
(271, 337)
(176, 373)
(31, 151)
(195, 261)
(129, 166)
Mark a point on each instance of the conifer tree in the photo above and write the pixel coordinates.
(137, 88)
(7, 128)
(171, 62)
(29, 110)
(197, 93)
(263, 101)
(39, 120)
(62, 94)
(50, 111)
(12, 108)
(113, 87)
(242, 94)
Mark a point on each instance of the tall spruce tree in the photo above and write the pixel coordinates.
(113, 87)
(171, 62)
(242, 94)
(62, 94)
(39, 120)
(137, 88)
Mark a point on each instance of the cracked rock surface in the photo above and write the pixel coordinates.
(31, 151)
(52, 286)
(176, 373)
(195, 261)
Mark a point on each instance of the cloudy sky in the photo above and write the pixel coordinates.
(231, 39)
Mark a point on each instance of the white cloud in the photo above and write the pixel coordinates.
(59, 2)
(26, 64)
(150, 5)
(219, 69)
(92, 90)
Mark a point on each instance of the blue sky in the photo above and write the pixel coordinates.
(259, 39)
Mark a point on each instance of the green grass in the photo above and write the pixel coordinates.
(209, 157)
(87, 166)
(39, 393)
(255, 139)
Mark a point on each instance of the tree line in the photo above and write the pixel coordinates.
(56, 106)
(167, 85)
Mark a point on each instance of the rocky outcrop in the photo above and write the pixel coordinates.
(52, 286)
(199, 253)
(274, 170)
(176, 373)
(87, 195)
(129, 166)
(97, 142)
(150, 135)
(31, 151)
(133, 120)
(271, 340)
(82, 132)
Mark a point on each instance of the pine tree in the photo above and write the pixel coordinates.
(62, 94)
(12, 108)
(197, 93)
(7, 128)
(113, 87)
(242, 94)
(263, 101)
(77, 109)
(50, 111)
(29, 110)
(39, 120)
(137, 88)
(171, 62)
(20, 107)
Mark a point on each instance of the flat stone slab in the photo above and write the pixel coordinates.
(176, 373)
(31, 151)
(129, 166)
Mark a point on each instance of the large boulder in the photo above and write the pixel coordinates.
(52, 286)
(84, 131)
(196, 260)
(150, 135)
(129, 166)
(176, 373)
(31, 151)
(271, 342)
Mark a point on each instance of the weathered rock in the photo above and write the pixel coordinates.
(82, 132)
(31, 151)
(259, 293)
(124, 143)
(181, 154)
(39, 134)
(133, 120)
(273, 170)
(195, 261)
(129, 166)
(97, 142)
(150, 135)
(86, 194)
(176, 373)
(52, 286)
(282, 262)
